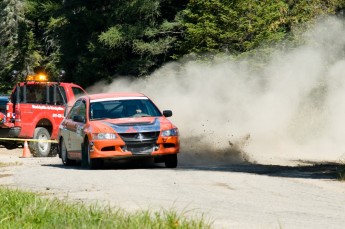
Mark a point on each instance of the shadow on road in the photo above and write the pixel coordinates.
(115, 165)
(235, 160)
(307, 169)
(230, 161)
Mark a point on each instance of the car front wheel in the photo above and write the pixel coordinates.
(171, 161)
(87, 162)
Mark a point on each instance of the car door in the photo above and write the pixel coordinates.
(64, 132)
(79, 121)
(74, 125)
(66, 127)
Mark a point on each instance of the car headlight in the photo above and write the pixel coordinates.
(104, 136)
(171, 132)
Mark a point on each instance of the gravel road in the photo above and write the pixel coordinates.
(240, 195)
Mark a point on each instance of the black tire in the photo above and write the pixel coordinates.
(87, 162)
(40, 149)
(171, 161)
(64, 154)
(53, 150)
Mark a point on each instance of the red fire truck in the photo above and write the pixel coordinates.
(34, 111)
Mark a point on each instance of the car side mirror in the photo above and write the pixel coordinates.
(167, 113)
(79, 118)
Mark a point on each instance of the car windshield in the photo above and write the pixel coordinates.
(122, 108)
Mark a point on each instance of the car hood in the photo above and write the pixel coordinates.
(133, 125)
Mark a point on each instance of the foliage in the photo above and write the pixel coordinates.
(94, 40)
(240, 26)
(11, 21)
(43, 24)
(113, 38)
(27, 210)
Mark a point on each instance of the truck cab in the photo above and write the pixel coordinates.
(34, 111)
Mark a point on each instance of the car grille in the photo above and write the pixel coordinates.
(141, 143)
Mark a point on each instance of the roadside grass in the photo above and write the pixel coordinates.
(21, 209)
(5, 164)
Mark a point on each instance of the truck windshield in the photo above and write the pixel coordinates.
(123, 109)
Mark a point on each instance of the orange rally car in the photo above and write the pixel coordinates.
(117, 126)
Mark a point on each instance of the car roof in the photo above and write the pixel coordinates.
(114, 95)
(4, 97)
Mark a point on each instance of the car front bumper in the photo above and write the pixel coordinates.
(112, 149)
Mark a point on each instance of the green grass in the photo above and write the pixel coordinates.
(3, 164)
(28, 210)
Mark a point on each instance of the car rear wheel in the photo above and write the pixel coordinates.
(40, 149)
(64, 154)
(171, 161)
(87, 162)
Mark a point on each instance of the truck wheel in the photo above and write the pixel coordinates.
(40, 149)
(171, 161)
(87, 162)
(63, 152)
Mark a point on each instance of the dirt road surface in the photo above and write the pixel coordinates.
(241, 195)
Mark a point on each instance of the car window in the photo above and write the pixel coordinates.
(73, 110)
(79, 108)
(82, 110)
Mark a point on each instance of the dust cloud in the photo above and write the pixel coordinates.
(231, 111)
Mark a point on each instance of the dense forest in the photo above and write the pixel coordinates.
(104, 39)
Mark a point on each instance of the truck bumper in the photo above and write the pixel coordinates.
(10, 132)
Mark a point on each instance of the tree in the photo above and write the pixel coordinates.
(240, 26)
(42, 36)
(11, 19)
(234, 26)
(104, 39)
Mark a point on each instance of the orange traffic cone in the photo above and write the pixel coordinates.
(26, 150)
